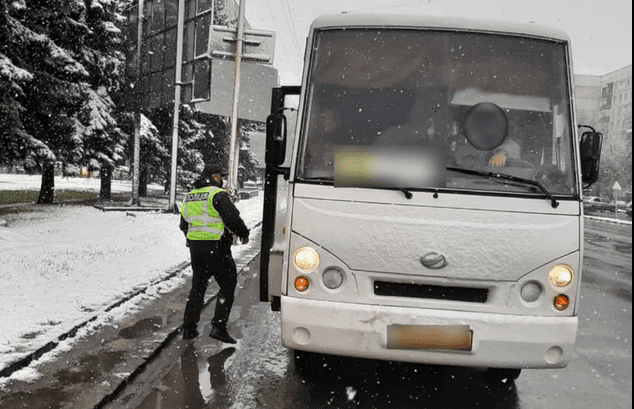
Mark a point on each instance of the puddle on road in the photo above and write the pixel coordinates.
(625, 248)
(90, 367)
(193, 383)
(48, 398)
(624, 294)
(143, 327)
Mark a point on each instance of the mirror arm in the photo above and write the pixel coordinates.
(282, 170)
(587, 126)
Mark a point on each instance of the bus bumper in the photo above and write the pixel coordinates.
(368, 331)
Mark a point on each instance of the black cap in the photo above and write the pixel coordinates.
(211, 169)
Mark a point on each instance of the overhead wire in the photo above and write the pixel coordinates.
(278, 31)
(289, 17)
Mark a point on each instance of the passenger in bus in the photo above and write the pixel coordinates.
(507, 152)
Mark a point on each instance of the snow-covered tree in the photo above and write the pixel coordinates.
(202, 140)
(192, 135)
(102, 55)
(154, 154)
(15, 142)
(247, 159)
(59, 62)
(103, 140)
(30, 65)
(55, 94)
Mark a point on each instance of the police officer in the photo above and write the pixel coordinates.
(210, 220)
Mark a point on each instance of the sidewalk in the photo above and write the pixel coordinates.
(99, 366)
(109, 303)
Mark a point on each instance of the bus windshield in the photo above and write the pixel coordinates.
(403, 99)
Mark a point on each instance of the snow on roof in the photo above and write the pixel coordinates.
(438, 22)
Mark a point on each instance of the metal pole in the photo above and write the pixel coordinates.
(177, 103)
(234, 151)
(134, 201)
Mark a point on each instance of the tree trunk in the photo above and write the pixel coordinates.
(105, 191)
(143, 177)
(47, 189)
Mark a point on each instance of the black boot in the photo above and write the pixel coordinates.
(221, 334)
(189, 333)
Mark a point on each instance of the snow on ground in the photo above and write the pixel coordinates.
(63, 265)
(33, 182)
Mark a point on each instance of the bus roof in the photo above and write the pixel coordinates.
(438, 22)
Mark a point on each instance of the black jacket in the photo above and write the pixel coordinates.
(230, 217)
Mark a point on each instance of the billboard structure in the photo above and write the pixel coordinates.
(208, 51)
(178, 52)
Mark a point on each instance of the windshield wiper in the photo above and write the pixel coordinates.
(503, 176)
(319, 179)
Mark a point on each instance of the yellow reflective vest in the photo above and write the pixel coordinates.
(204, 222)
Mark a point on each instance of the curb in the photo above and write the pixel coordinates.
(131, 208)
(609, 220)
(37, 354)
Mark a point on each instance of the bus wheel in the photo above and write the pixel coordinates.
(503, 374)
(309, 364)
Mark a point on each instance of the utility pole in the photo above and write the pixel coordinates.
(172, 207)
(134, 201)
(234, 141)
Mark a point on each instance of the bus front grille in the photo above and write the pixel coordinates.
(433, 292)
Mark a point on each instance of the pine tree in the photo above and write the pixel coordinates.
(60, 60)
(54, 94)
(102, 55)
(154, 155)
(192, 135)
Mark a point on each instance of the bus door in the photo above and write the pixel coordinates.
(283, 117)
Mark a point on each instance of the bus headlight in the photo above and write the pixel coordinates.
(306, 259)
(561, 276)
(332, 278)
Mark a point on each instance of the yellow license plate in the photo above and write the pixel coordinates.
(432, 337)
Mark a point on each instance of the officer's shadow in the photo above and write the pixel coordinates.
(193, 398)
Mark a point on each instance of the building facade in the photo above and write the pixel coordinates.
(615, 110)
(605, 103)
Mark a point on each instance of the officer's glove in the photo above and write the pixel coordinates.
(186, 242)
(244, 239)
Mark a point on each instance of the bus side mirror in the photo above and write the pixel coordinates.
(275, 139)
(590, 152)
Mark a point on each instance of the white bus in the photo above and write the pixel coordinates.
(428, 208)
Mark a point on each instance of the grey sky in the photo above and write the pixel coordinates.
(600, 30)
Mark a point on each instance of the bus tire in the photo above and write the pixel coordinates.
(501, 374)
(310, 364)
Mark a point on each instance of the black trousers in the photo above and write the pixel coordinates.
(219, 264)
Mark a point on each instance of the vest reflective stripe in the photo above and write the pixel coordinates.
(204, 222)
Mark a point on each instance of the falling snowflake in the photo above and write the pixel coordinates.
(351, 392)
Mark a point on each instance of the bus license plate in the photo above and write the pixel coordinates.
(438, 337)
